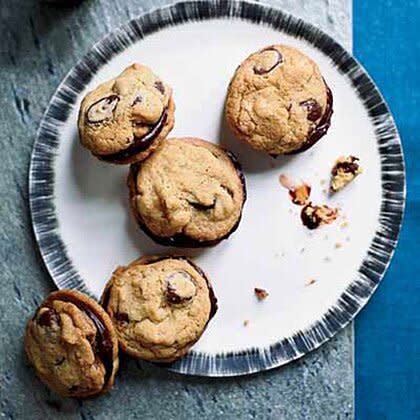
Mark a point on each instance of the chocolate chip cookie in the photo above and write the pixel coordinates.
(159, 306)
(278, 101)
(189, 193)
(72, 345)
(125, 119)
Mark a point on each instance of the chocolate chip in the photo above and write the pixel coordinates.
(138, 100)
(60, 361)
(180, 287)
(202, 207)
(348, 166)
(228, 190)
(160, 87)
(313, 108)
(48, 317)
(121, 317)
(102, 110)
(309, 217)
(264, 68)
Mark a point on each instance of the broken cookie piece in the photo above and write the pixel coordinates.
(346, 168)
(261, 294)
(298, 193)
(314, 216)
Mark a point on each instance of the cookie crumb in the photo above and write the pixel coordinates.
(309, 282)
(327, 259)
(338, 245)
(313, 216)
(261, 294)
(345, 170)
(246, 323)
(302, 250)
(323, 181)
(285, 181)
(344, 224)
(299, 194)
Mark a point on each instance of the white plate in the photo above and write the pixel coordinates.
(84, 228)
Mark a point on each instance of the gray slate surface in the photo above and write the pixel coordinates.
(39, 45)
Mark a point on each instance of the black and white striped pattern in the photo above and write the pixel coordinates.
(392, 169)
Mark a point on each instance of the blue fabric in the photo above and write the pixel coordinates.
(386, 42)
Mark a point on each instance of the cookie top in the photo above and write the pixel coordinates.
(159, 306)
(72, 345)
(278, 101)
(188, 193)
(123, 120)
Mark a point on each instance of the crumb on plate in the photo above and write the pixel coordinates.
(308, 282)
(261, 294)
(313, 216)
(345, 170)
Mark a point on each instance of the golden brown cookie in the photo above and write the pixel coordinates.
(125, 119)
(278, 101)
(189, 193)
(160, 306)
(72, 345)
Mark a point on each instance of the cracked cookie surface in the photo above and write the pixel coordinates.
(159, 306)
(188, 193)
(278, 101)
(72, 345)
(124, 119)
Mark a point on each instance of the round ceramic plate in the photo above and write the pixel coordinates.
(317, 280)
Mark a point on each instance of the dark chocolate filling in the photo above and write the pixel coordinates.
(140, 143)
(180, 239)
(321, 128)
(103, 344)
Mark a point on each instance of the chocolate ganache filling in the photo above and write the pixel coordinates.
(180, 239)
(140, 143)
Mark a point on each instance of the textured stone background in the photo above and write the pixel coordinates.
(40, 43)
